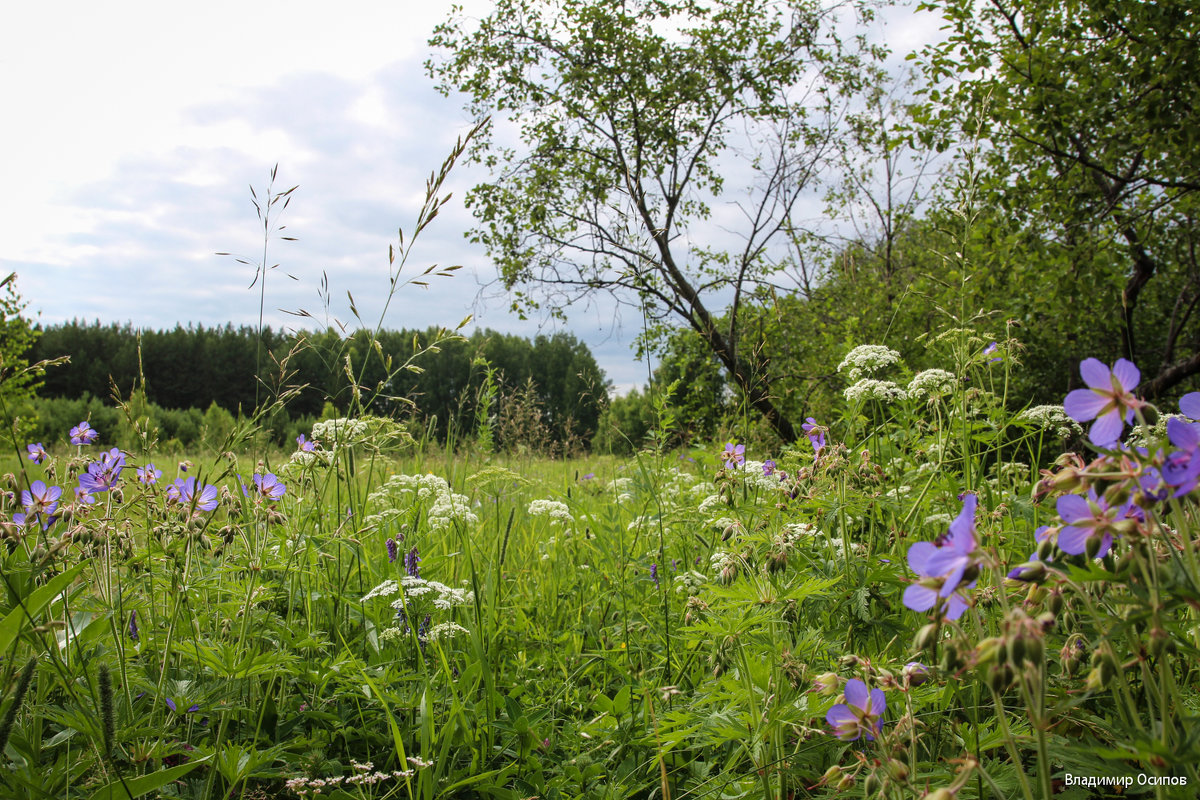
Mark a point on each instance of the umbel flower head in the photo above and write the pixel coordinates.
(942, 566)
(860, 715)
(1109, 399)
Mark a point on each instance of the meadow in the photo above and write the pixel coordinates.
(928, 596)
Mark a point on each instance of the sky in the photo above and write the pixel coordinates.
(134, 131)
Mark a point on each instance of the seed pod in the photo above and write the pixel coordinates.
(1158, 642)
(1055, 602)
(871, 785)
(832, 774)
(846, 782)
(1016, 650)
(941, 793)
(897, 769)
(926, 637)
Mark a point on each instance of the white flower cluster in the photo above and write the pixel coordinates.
(867, 359)
(1052, 418)
(446, 507)
(446, 597)
(932, 383)
(871, 389)
(710, 504)
(689, 582)
(341, 431)
(385, 589)
(363, 776)
(1148, 435)
(759, 479)
(303, 458)
(556, 511)
(447, 630)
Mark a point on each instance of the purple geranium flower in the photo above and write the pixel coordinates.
(734, 456)
(268, 486)
(943, 565)
(1181, 469)
(860, 714)
(149, 474)
(768, 468)
(183, 491)
(37, 452)
(1109, 400)
(916, 673)
(103, 475)
(815, 434)
(1086, 517)
(305, 445)
(40, 502)
(83, 434)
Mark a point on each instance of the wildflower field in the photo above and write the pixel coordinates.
(928, 596)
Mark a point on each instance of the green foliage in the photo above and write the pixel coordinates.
(18, 380)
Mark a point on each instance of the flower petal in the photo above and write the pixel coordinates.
(1127, 373)
(1073, 508)
(1096, 374)
(1073, 540)
(919, 598)
(1107, 429)
(918, 557)
(1084, 404)
(1189, 404)
(878, 702)
(856, 694)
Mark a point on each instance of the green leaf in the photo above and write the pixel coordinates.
(144, 784)
(14, 623)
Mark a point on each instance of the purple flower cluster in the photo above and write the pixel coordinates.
(40, 502)
(103, 474)
(943, 566)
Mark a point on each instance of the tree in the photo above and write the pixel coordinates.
(1088, 112)
(18, 380)
(631, 117)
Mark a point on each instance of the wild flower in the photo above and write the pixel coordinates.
(385, 589)
(447, 630)
(83, 434)
(943, 565)
(991, 348)
(915, 673)
(816, 436)
(149, 474)
(391, 550)
(40, 502)
(185, 492)
(768, 468)
(556, 511)
(268, 487)
(757, 476)
(932, 383)
(36, 453)
(103, 474)
(861, 714)
(1181, 469)
(867, 359)
(340, 432)
(1109, 399)
(654, 575)
(133, 626)
(1087, 519)
(733, 455)
(412, 562)
(305, 445)
(871, 389)
(1189, 404)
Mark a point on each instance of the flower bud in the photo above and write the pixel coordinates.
(897, 769)
(1054, 603)
(846, 782)
(926, 637)
(1158, 641)
(871, 785)
(1093, 545)
(826, 684)
(999, 677)
(832, 774)
(1016, 650)
(941, 793)
(1045, 549)
(988, 650)
(1095, 680)
(915, 673)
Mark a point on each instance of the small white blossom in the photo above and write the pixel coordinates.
(1052, 418)
(867, 359)
(446, 630)
(871, 389)
(556, 511)
(385, 589)
(932, 383)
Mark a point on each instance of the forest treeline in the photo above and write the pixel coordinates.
(547, 391)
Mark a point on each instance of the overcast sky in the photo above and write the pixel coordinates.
(134, 129)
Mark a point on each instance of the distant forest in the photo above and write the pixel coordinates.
(554, 379)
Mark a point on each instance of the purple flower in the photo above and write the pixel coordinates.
(412, 562)
(133, 626)
(1181, 469)
(1189, 404)
(148, 474)
(1086, 518)
(40, 502)
(83, 434)
(944, 564)
(1109, 400)
(815, 434)
(102, 475)
(268, 486)
(37, 452)
(391, 550)
(916, 673)
(991, 348)
(734, 456)
(768, 468)
(654, 574)
(589, 476)
(860, 714)
(183, 491)
(305, 445)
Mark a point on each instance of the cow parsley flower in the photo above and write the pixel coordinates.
(932, 383)
(867, 359)
(556, 511)
(871, 389)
